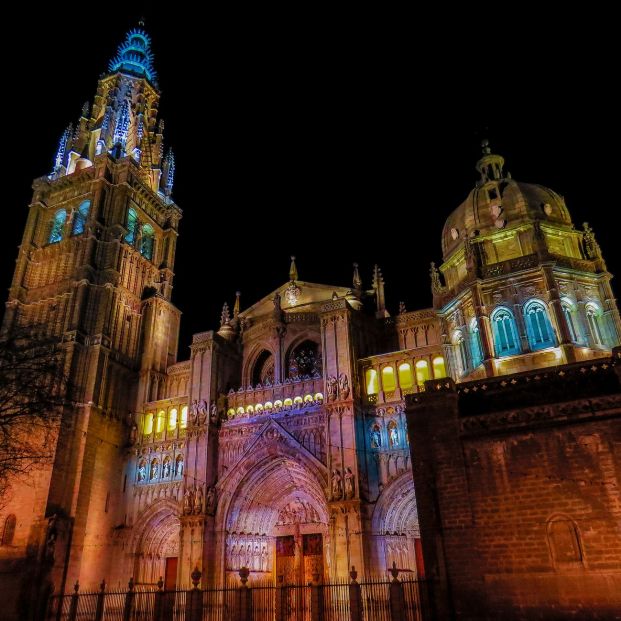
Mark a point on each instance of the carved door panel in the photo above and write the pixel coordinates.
(285, 558)
(312, 547)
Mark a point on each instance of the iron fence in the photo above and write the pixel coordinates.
(371, 599)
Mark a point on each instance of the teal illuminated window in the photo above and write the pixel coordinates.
(147, 241)
(58, 226)
(132, 226)
(506, 341)
(475, 343)
(538, 327)
(594, 319)
(80, 217)
(569, 314)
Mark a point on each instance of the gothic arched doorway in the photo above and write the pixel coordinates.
(276, 522)
(156, 544)
(396, 533)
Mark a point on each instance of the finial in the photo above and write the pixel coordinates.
(236, 307)
(86, 109)
(402, 309)
(196, 576)
(134, 56)
(76, 586)
(293, 270)
(485, 146)
(357, 280)
(141, 22)
(225, 317)
(160, 584)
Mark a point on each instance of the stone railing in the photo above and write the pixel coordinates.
(302, 393)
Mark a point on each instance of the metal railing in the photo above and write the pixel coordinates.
(371, 599)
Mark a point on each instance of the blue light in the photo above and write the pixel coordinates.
(170, 171)
(134, 56)
(122, 125)
(59, 160)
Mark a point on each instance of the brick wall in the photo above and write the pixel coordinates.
(518, 490)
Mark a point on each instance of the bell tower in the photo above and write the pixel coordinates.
(95, 271)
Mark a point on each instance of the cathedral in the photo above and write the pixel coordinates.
(280, 445)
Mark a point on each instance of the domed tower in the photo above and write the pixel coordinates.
(522, 287)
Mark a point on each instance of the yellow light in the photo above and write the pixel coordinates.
(184, 417)
(147, 427)
(172, 419)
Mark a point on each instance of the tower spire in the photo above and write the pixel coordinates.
(293, 271)
(378, 287)
(236, 307)
(357, 281)
(134, 56)
(490, 165)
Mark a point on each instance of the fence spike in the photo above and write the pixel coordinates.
(76, 586)
(160, 583)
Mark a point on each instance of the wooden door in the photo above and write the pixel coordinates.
(170, 577)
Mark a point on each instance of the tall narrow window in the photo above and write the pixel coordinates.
(58, 227)
(476, 350)
(147, 425)
(594, 319)
(184, 417)
(569, 314)
(80, 217)
(506, 339)
(461, 358)
(172, 419)
(147, 241)
(132, 226)
(371, 382)
(388, 379)
(538, 327)
(439, 368)
(406, 378)
(8, 532)
(159, 421)
(422, 372)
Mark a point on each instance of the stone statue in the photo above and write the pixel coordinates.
(188, 500)
(50, 539)
(276, 301)
(349, 483)
(343, 386)
(155, 470)
(202, 411)
(194, 412)
(211, 500)
(591, 247)
(332, 388)
(179, 468)
(166, 469)
(376, 437)
(436, 285)
(214, 413)
(337, 485)
(198, 499)
(133, 435)
(394, 436)
(142, 471)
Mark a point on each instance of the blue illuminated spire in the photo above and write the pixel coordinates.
(169, 171)
(134, 56)
(59, 161)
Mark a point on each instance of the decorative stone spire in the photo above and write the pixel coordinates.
(490, 165)
(134, 56)
(378, 288)
(59, 160)
(436, 284)
(225, 317)
(86, 110)
(226, 329)
(168, 172)
(236, 306)
(357, 281)
(293, 271)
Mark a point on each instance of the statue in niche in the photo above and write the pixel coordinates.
(50, 539)
(211, 500)
(166, 469)
(155, 470)
(343, 386)
(194, 412)
(213, 413)
(337, 485)
(349, 483)
(188, 500)
(332, 388)
(376, 437)
(393, 436)
(142, 471)
(198, 499)
(179, 466)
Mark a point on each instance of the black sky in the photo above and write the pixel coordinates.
(337, 138)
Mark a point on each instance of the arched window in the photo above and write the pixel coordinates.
(476, 350)
(422, 372)
(132, 226)
(506, 340)
(172, 419)
(184, 417)
(159, 421)
(594, 319)
(376, 436)
(371, 382)
(58, 227)
(147, 425)
(564, 541)
(80, 217)
(461, 357)
(439, 368)
(304, 361)
(388, 379)
(393, 434)
(8, 532)
(569, 315)
(263, 370)
(147, 241)
(538, 327)
(406, 378)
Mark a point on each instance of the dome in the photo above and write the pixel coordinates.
(499, 202)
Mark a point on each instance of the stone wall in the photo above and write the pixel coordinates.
(518, 490)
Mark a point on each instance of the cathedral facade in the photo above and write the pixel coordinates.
(281, 444)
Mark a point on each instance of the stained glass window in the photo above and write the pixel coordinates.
(58, 226)
(132, 226)
(147, 241)
(80, 217)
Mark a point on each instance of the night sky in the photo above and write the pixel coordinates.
(337, 138)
